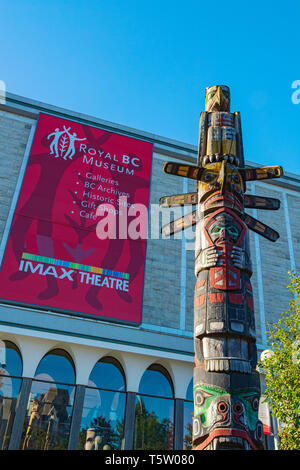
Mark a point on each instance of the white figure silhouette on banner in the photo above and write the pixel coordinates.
(60, 142)
(71, 150)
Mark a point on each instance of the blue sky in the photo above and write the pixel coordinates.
(146, 64)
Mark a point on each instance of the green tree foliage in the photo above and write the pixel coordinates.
(108, 435)
(151, 433)
(282, 370)
(188, 437)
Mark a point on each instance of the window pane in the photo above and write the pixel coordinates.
(188, 418)
(10, 359)
(154, 423)
(58, 365)
(10, 384)
(9, 391)
(155, 383)
(189, 393)
(102, 424)
(188, 425)
(107, 375)
(48, 420)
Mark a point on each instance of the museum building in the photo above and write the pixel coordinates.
(96, 335)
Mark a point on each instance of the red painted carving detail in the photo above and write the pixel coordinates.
(250, 302)
(236, 298)
(225, 278)
(199, 300)
(216, 297)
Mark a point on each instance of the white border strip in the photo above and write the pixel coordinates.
(276, 188)
(166, 158)
(289, 235)
(15, 198)
(288, 231)
(94, 343)
(164, 329)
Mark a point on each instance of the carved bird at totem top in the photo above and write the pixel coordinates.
(220, 169)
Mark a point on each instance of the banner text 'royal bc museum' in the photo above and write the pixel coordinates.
(53, 256)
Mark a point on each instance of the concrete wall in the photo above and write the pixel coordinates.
(14, 134)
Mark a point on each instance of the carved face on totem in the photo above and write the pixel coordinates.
(224, 227)
(226, 421)
(217, 98)
(221, 185)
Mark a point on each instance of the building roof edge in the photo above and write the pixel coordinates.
(164, 145)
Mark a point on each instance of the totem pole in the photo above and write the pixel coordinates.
(226, 383)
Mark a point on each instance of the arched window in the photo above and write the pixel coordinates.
(156, 381)
(188, 418)
(108, 374)
(10, 384)
(154, 412)
(10, 359)
(102, 424)
(57, 364)
(48, 420)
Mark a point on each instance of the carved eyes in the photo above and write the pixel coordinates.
(235, 178)
(237, 408)
(200, 397)
(231, 230)
(254, 401)
(208, 177)
(222, 407)
(259, 432)
(217, 229)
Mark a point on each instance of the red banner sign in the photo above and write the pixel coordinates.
(54, 256)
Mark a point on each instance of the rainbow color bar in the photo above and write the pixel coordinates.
(81, 267)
